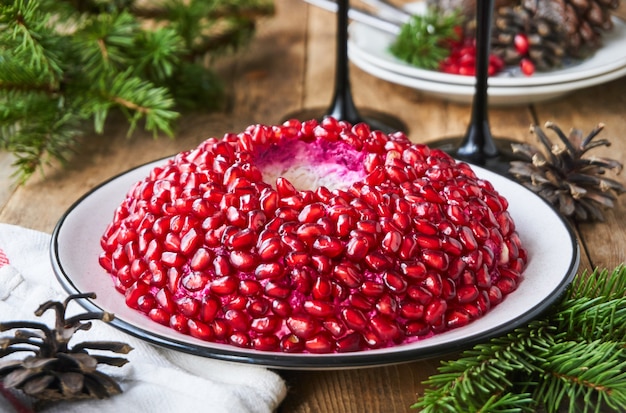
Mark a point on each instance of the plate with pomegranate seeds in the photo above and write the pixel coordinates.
(314, 245)
(373, 44)
(369, 50)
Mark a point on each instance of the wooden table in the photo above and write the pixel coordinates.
(288, 67)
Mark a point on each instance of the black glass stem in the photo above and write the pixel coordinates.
(342, 105)
(478, 146)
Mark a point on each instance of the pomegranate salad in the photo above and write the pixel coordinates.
(313, 237)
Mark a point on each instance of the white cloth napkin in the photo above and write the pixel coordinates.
(155, 379)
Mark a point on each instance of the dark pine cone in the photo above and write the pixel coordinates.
(575, 184)
(584, 21)
(543, 42)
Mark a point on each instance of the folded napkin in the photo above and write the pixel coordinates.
(155, 379)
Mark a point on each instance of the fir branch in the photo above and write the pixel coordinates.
(573, 356)
(137, 99)
(64, 62)
(484, 373)
(594, 373)
(424, 40)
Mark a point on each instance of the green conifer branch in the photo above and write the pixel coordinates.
(64, 63)
(574, 357)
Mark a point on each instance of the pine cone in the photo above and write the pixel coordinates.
(584, 21)
(520, 33)
(55, 371)
(564, 177)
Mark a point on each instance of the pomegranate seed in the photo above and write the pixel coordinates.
(357, 248)
(416, 328)
(188, 306)
(221, 266)
(220, 329)
(413, 311)
(435, 259)
(237, 320)
(146, 303)
(329, 246)
(303, 326)
(173, 279)
(506, 285)
(179, 323)
(377, 261)
(258, 307)
(135, 292)
(334, 326)
(249, 287)
(344, 225)
(291, 344)
(266, 343)
(195, 281)
(387, 305)
(242, 260)
(312, 212)
(242, 239)
(351, 342)
(164, 299)
(265, 325)
(271, 270)
(354, 318)
(384, 328)
(391, 242)
(318, 308)
(520, 40)
(160, 316)
(199, 330)
(277, 290)
(495, 295)
(457, 318)
(408, 248)
(321, 343)
(467, 293)
(201, 259)
(448, 289)
(348, 275)
(281, 308)
(239, 339)
(527, 66)
(435, 311)
(360, 301)
(372, 288)
(394, 282)
(224, 285)
(321, 263)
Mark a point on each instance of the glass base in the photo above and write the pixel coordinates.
(376, 120)
(500, 163)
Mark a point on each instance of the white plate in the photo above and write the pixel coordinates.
(553, 260)
(498, 96)
(372, 45)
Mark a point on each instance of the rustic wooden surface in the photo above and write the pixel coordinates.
(289, 67)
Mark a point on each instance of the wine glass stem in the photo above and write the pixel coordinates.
(478, 142)
(342, 106)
